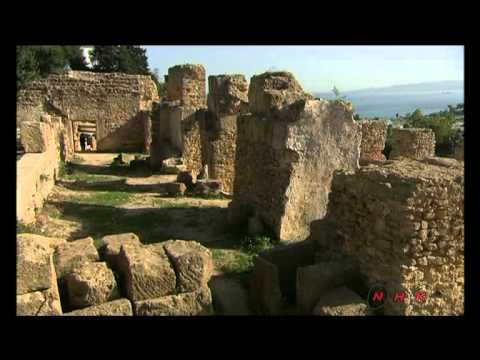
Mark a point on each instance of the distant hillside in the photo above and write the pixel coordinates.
(401, 99)
(427, 87)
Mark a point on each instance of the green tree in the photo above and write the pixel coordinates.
(40, 61)
(27, 66)
(160, 85)
(129, 59)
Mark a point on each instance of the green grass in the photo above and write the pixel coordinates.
(104, 198)
(28, 228)
(83, 176)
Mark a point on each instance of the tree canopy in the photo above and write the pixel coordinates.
(129, 59)
(35, 62)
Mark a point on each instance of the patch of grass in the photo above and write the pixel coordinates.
(104, 198)
(232, 261)
(52, 211)
(160, 203)
(28, 228)
(83, 176)
(256, 244)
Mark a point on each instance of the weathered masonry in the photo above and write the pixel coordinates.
(286, 153)
(374, 134)
(113, 107)
(401, 225)
(413, 143)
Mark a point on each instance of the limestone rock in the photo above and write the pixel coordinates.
(175, 188)
(125, 158)
(193, 263)
(34, 265)
(228, 94)
(186, 178)
(41, 302)
(229, 296)
(52, 243)
(274, 91)
(72, 254)
(91, 284)
(210, 186)
(203, 174)
(120, 307)
(147, 273)
(34, 136)
(315, 280)
(198, 302)
(265, 287)
(111, 245)
(341, 302)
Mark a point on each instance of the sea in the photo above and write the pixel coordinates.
(388, 105)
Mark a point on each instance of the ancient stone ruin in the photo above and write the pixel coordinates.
(413, 143)
(114, 107)
(298, 169)
(45, 143)
(56, 277)
(287, 150)
(374, 135)
(405, 231)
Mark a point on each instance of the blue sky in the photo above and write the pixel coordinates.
(319, 68)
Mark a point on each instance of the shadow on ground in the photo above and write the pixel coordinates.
(125, 171)
(203, 224)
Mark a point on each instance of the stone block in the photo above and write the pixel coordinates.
(34, 136)
(72, 254)
(175, 188)
(50, 242)
(192, 262)
(34, 265)
(121, 307)
(315, 280)
(186, 178)
(91, 284)
(340, 302)
(229, 296)
(146, 272)
(198, 302)
(41, 302)
(111, 245)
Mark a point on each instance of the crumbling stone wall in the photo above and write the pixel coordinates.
(45, 144)
(112, 101)
(177, 122)
(286, 153)
(402, 225)
(185, 84)
(413, 143)
(374, 134)
(227, 99)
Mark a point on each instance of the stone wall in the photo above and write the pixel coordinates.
(45, 143)
(112, 101)
(401, 224)
(185, 84)
(286, 153)
(413, 143)
(227, 98)
(374, 134)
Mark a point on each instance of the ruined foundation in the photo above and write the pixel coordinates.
(401, 225)
(374, 134)
(413, 143)
(287, 150)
